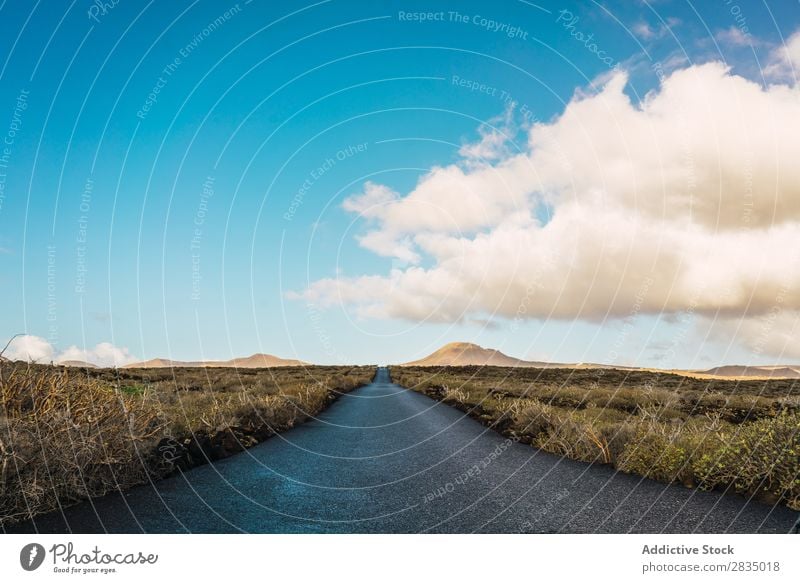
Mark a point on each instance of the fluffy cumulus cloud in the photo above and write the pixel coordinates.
(103, 354)
(36, 349)
(687, 200)
(29, 348)
(775, 333)
(784, 62)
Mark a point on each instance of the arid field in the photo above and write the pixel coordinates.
(736, 435)
(67, 434)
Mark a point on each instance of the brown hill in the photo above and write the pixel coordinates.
(254, 361)
(257, 361)
(777, 371)
(154, 363)
(466, 354)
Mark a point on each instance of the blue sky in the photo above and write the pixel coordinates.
(176, 172)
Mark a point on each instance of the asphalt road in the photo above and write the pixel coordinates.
(386, 459)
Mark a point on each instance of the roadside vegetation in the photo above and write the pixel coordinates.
(739, 436)
(69, 434)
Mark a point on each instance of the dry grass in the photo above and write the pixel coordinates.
(738, 435)
(67, 434)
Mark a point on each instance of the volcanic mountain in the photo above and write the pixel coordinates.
(466, 353)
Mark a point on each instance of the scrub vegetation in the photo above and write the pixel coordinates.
(739, 436)
(68, 434)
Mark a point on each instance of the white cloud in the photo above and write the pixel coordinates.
(775, 333)
(29, 348)
(687, 200)
(735, 36)
(784, 61)
(646, 32)
(103, 354)
(370, 202)
(495, 137)
(37, 349)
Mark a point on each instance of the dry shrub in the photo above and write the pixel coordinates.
(456, 395)
(566, 397)
(762, 457)
(63, 441)
(275, 412)
(572, 438)
(531, 417)
(655, 450)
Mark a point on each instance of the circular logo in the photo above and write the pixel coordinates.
(31, 556)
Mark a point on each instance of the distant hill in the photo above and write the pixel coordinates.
(777, 371)
(158, 363)
(466, 354)
(257, 361)
(254, 361)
